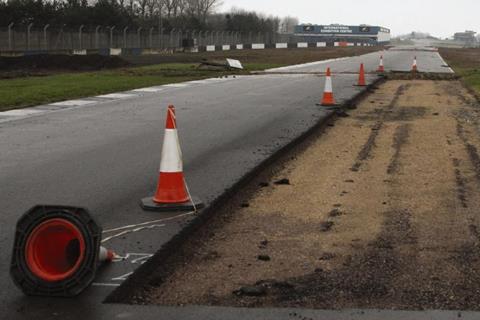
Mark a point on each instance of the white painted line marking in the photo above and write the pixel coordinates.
(152, 89)
(176, 85)
(117, 96)
(310, 64)
(73, 103)
(123, 277)
(96, 284)
(197, 82)
(20, 112)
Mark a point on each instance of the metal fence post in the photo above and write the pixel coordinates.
(139, 40)
(28, 35)
(193, 36)
(111, 36)
(45, 38)
(161, 38)
(10, 38)
(125, 37)
(150, 36)
(96, 37)
(170, 40)
(80, 30)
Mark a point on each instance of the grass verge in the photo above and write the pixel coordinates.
(466, 63)
(154, 70)
(30, 91)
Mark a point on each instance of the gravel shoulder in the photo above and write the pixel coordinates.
(377, 211)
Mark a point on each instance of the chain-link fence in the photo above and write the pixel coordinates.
(45, 38)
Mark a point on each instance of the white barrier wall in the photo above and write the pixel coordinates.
(281, 45)
(302, 45)
(321, 44)
(239, 46)
(80, 52)
(210, 48)
(115, 51)
(336, 44)
(350, 44)
(226, 47)
(258, 46)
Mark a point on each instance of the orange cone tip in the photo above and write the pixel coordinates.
(361, 76)
(328, 99)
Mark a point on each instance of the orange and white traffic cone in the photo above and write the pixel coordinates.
(381, 67)
(328, 99)
(57, 251)
(414, 65)
(172, 192)
(361, 77)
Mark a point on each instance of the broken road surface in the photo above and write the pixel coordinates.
(379, 211)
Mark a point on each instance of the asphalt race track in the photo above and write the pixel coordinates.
(103, 152)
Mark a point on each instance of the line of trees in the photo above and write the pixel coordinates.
(168, 14)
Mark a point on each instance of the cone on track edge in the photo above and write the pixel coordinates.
(361, 77)
(328, 98)
(414, 65)
(172, 192)
(381, 67)
(57, 251)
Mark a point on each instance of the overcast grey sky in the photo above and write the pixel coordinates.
(440, 17)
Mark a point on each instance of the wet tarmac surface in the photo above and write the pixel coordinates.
(105, 155)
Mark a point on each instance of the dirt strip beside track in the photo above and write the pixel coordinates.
(380, 211)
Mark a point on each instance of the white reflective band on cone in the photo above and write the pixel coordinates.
(328, 85)
(171, 160)
(103, 255)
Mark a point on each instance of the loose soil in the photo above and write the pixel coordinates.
(45, 64)
(267, 56)
(380, 211)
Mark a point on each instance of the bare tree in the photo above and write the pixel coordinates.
(201, 8)
(170, 7)
(287, 25)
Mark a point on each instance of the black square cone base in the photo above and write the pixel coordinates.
(330, 106)
(148, 204)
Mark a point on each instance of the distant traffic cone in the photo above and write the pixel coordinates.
(328, 99)
(172, 192)
(361, 77)
(414, 65)
(381, 68)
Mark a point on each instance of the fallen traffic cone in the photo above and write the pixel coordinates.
(328, 99)
(381, 68)
(57, 251)
(361, 77)
(414, 65)
(172, 192)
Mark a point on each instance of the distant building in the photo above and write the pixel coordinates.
(340, 34)
(468, 37)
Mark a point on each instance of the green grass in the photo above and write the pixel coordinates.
(30, 91)
(465, 63)
(471, 76)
